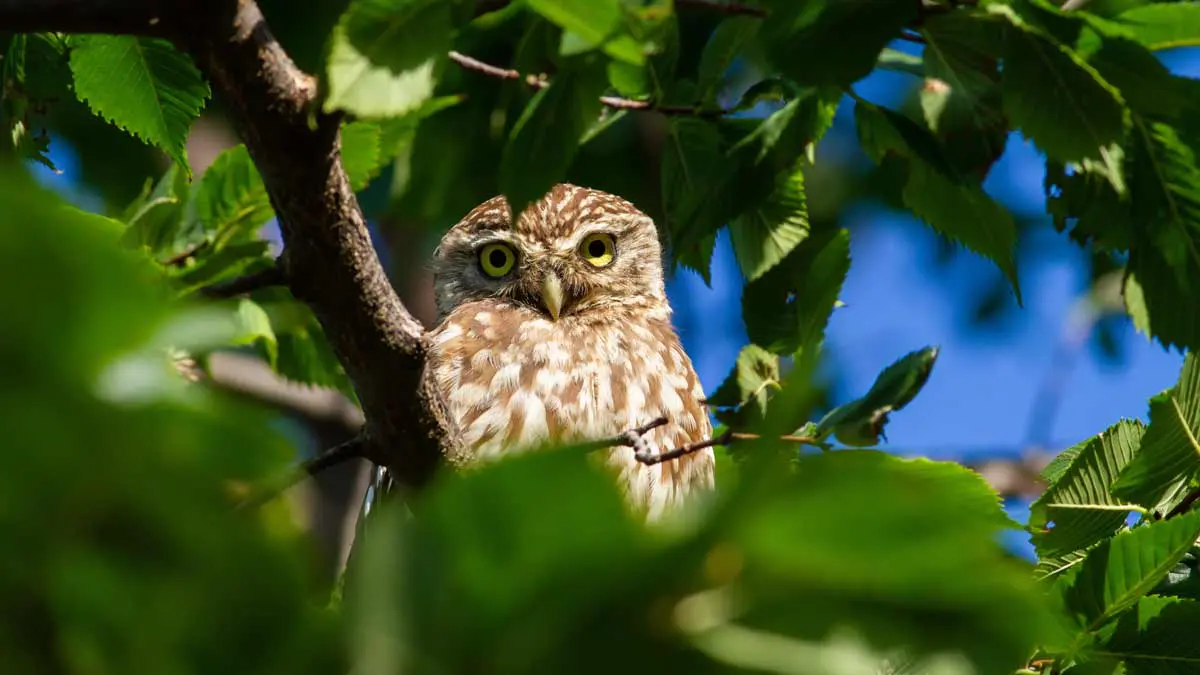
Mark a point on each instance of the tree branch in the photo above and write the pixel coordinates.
(614, 102)
(254, 281)
(339, 454)
(328, 260)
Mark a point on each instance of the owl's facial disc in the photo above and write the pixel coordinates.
(552, 293)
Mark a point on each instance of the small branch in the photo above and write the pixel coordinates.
(650, 458)
(1185, 505)
(339, 454)
(264, 278)
(180, 258)
(539, 82)
(911, 37)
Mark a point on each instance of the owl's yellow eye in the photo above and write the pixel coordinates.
(496, 260)
(598, 249)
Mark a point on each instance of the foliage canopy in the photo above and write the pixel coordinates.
(125, 556)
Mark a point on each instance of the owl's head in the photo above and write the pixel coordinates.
(572, 252)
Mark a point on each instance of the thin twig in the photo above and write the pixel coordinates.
(264, 278)
(650, 458)
(539, 82)
(180, 258)
(338, 454)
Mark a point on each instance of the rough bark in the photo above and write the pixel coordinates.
(328, 261)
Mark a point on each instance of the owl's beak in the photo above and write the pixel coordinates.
(552, 294)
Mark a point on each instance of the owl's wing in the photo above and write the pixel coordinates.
(673, 482)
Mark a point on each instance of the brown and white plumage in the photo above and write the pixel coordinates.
(515, 376)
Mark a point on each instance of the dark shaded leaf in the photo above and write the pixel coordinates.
(545, 138)
(787, 308)
(832, 42)
(861, 422)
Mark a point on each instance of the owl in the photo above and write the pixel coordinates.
(556, 329)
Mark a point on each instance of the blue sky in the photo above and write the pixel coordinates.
(981, 395)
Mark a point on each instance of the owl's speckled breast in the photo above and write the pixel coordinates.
(513, 379)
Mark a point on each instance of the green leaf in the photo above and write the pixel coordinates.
(361, 152)
(383, 56)
(1156, 636)
(231, 201)
(751, 381)
(489, 573)
(961, 95)
(954, 207)
(1054, 97)
(1120, 571)
(1078, 502)
(787, 308)
(591, 24)
(768, 232)
(1163, 25)
(831, 42)
(726, 42)
(1166, 184)
(143, 85)
(254, 328)
(156, 216)
(218, 264)
(305, 355)
(901, 550)
(861, 422)
(545, 138)
(1170, 454)
(145, 552)
(965, 214)
(1153, 295)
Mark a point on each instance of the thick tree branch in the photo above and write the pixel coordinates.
(328, 259)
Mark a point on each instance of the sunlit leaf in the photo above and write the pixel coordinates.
(1118, 572)
(1078, 501)
(383, 55)
(1163, 25)
(768, 233)
(1170, 454)
(231, 201)
(1054, 97)
(143, 85)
